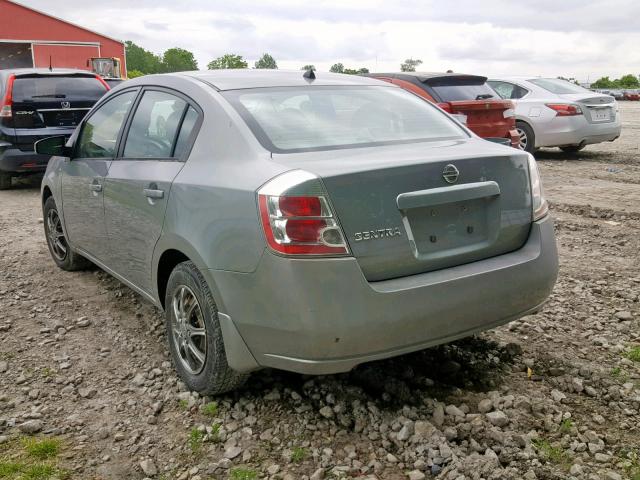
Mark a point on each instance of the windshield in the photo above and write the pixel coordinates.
(455, 93)
(294, 119)
(52, 87)
(555, 85)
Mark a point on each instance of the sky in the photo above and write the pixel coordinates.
(571, 38)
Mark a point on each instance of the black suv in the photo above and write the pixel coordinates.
(38, 103)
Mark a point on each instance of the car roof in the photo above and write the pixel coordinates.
(235, 79)
(44, 71)
(426, 76)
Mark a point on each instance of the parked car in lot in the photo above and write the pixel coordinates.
(555, 113)
(468, 97)
(633, 95)
(300, 223)
(38, 103)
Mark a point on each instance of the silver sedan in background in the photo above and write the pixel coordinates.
(551, 112)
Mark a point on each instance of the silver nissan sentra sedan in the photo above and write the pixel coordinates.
(306, 222)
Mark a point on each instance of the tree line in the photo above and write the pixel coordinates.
(143, 62)
(626, 81)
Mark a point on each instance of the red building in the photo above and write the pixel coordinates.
(29, 38)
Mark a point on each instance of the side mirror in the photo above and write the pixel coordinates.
(54, 146)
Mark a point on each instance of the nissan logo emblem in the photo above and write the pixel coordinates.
(450, 174)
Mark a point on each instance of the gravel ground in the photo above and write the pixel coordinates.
(87, 389)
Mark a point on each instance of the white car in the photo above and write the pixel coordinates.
(555, 113)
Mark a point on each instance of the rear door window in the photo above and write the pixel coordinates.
(99, 135)
(188, 124)
(508, 90)
(154, 127)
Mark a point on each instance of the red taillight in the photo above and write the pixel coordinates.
(300, 225)
(446, 107)
(104, 84)
(300, 206)
(565, 109)
(7, 101)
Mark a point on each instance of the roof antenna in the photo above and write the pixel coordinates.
(50, 66)
(309, 75)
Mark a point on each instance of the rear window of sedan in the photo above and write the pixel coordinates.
(558, 86)
(297, 119)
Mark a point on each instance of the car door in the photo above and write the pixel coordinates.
(138, 184)
(83, 174)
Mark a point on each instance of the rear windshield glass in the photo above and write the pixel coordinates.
(455, 93)
(77, 88)
(295, 119)
(555, 85)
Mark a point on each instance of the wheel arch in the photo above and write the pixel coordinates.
(169, 252)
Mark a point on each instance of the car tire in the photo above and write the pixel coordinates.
(572, 148)
(5, 181)
(527, 137)
(61, 252)
(195, 335)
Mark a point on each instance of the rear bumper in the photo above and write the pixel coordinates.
(322, 316)
(15, 161)
(564, 131)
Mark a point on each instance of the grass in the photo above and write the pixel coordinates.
(633, 354)
(215, 432)
(42, 448)
(298, 454)
(183, 404)
(566, 425)
(196, 438)
(47, 372)
(210, 409)
(243, 474)
(620, 374)
(549, 452)
(31, 458)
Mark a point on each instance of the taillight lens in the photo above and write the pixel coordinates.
(565, 109)
(299, 224)
(7, 101)
(540, 205)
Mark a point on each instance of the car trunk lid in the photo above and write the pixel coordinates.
(486, 118)
(597, 108)
(402, 217)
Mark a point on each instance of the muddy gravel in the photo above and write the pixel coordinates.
(84, 366)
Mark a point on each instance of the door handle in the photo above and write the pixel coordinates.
(153, 193)
(95, 187)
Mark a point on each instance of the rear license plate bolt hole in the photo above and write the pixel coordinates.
(469, 229)
(433, 239)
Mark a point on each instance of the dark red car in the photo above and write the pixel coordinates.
(469, 96)
(633, 95)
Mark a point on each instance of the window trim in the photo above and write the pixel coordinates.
(73, 140)
(190, 141)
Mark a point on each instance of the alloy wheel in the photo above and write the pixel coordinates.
(55, 236)
(188, 330)
(523, 139)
